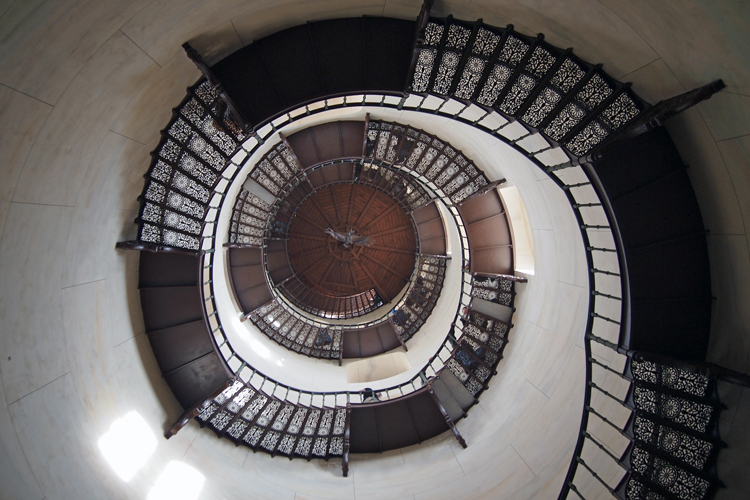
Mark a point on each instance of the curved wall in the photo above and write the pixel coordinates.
(85, 88)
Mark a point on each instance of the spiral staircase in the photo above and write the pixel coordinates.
(503, 83)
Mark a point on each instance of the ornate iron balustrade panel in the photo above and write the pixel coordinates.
(635, 482)
(186, 166)
(294, 332)
(351, 306)
(249, 220)
(571, 103)
(506, 56)
(420, 153)
(421, 298)
(250, 417)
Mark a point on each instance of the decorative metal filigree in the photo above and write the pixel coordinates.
(594, 92)
(175, 239)
(253, 436)
(619, 112)
(185, 205)
(520, 90)
(240, 400)
(513, 51)
(221, 420)
(206, 412)
(586, 139)
(161, 172)
(270, 440)
(320, 447)
(268, 413)
(469, 189)
(336, 447)
(427, 160)
(457, 369)
(312, 423)
(283, 417)
(470, 77)
(423, 70)
(568, 118)
(683, 447)
(287, 444)
(541, 107)
(297, 420)
(485, 42)
(671, 377)
(181, 222)
(691, 414)
(189, 187)
(446, 175)
(636, 490)
(227, 393)
(340, 422)
(674, 479)
(458, 37)
(254, 407)
(446, 71)
(473, 386)
(540, 62)
(433, 34)
(303, 446)
(325, 423)
(237, 429)
(569, 74)
(495, 84)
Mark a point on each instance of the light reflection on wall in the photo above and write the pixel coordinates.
(128, 444)
(259, 348)
(523, 243)
(177, 482)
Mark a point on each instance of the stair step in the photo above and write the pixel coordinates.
(457, 389)
(252, 298)
(168, 306)
(493, 310)
(177, 345)
(244, 277)
(192, 382)
(291, 63)
(158, 269)
(245, 256)
(452, 407)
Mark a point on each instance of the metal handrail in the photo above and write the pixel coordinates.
(435, 364)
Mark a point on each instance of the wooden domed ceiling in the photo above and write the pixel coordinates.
(384, 263)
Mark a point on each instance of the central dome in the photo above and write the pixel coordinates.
(383, 264)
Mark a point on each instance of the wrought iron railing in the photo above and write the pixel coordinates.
(591, 215)
(517, 89)
(421, 103)
(640, 466)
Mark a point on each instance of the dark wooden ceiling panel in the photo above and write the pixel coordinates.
(327, 265)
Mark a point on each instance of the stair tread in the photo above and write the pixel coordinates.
(192, 383)
(179, 344)
(158, 269)
(169, 306)
(452, 407)
(457, 389)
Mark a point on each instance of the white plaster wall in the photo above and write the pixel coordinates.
(85, 87)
